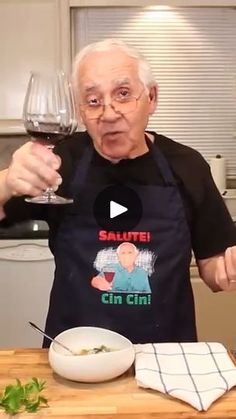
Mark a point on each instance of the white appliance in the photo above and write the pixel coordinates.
(229, 196)
(26, 275)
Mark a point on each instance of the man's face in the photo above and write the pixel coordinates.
(103, 76)
(127, 256)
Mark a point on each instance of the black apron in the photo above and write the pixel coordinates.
(161, 308)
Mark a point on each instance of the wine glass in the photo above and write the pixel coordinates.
(49, 116)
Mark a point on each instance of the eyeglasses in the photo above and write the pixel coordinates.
(120, 104)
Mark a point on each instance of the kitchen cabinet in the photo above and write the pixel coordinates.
(29, 40)
(215, 313)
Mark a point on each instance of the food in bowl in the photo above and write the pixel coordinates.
(98, 350)
(115, 355)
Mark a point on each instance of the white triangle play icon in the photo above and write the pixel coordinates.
(116, 209)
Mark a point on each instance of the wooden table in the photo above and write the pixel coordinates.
(119, 398)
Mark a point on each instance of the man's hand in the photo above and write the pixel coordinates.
(225, 275)
(219, 272)
(33, 168)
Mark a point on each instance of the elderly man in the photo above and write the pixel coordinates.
(182, 209)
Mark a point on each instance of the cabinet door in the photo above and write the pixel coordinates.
(29, 40)
(216, 313)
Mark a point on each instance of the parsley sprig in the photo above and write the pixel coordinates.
(17, 398)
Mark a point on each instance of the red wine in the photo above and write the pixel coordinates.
(47, 133)
(46, 137)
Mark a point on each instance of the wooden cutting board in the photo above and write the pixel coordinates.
(119, 398)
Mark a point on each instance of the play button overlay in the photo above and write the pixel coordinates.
(117, 208)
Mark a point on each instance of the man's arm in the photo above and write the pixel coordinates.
(219, 272)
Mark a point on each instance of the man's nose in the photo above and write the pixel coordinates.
(109, 112)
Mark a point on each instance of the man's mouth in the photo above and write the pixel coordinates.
(111, 134)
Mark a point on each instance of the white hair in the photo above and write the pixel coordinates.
(144, 70)
(125, 244)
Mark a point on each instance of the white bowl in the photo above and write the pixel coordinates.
(95, 367)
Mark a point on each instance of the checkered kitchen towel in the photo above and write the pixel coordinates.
(197, 373)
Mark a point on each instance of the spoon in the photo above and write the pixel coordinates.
(53, 340)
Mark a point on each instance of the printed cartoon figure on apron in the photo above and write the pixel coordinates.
(122, 270)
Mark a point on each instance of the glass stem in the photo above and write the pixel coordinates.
(49, 192)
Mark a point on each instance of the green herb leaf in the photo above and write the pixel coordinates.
(18, 397)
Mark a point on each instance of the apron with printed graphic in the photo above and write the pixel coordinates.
(150, 302)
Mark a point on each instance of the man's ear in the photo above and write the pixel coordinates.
(153, 97)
